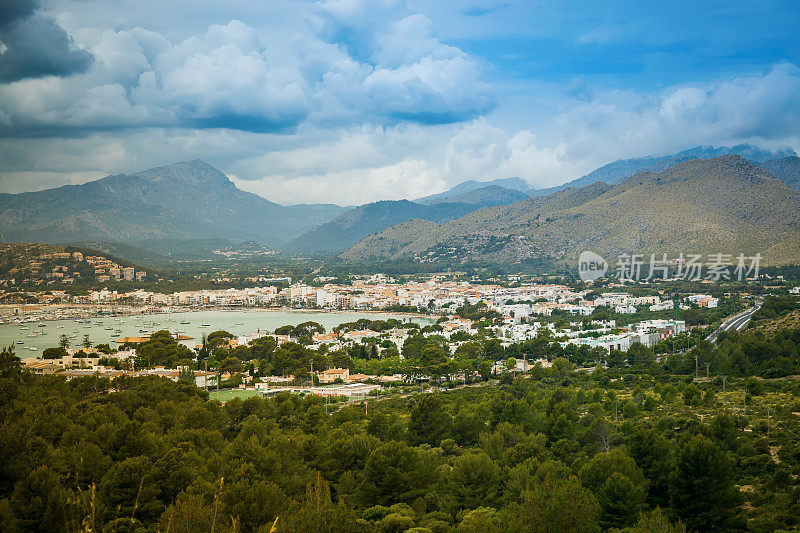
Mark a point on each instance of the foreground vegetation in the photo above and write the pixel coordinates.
(559, 450)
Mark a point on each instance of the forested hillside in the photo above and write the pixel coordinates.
(637, 448)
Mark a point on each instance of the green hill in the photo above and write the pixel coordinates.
(390, 242)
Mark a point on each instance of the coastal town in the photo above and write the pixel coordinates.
(453, 313)
(379, 292)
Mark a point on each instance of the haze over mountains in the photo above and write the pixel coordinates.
(352, 226)
(724, 205)
(192, 201)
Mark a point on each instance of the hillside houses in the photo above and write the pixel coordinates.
(648, 333)
(703, 300)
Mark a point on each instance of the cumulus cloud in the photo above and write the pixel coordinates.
(219, 79)
(32, 45)
(396, 68)
(355, 101)
(12, 11)
(228, 77)
(482, 151)
(407, 178)
(367, 162)
(355, 25)
(224, 79)
(620, 124)
(350, 166)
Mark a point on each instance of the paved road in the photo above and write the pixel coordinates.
(735, 323)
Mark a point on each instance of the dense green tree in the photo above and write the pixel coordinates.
(433, 361)
(467, 426)
(39, 502)
(191, 513)
(429, 422)
(653, 453)
(475, 481)
(396, 473)
(619, 485)
(318, 513)
(561, 368)
(162, 350)
(263, 347)
(641, 355)
(54, 353)
(556, 450)
(655, 521)
(131, 490)
(230, 364)
(218, 338)
(616, 359)
(556, 505)
(701, 488)
(294, 358)
(253, 504)
(470, 350)
(480, 520)
(493, 350)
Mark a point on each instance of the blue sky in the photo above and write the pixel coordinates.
(351, 101)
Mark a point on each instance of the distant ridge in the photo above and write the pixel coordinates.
(511, 184)
(191, 204)
(620, 170)
(349, 228)
(786, 169)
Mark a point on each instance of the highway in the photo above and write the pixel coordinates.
(736, 322)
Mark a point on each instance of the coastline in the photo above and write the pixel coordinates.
(31, 334)
(52, 312)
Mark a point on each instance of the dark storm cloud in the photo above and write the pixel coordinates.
(13, 10)
(34, 46)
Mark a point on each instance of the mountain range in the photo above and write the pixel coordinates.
(786, 169)
(188, 200)
(189, 204)
(720, 205)
(470, 196)
(348, 228)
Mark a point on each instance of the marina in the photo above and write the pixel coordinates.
(31, 339)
